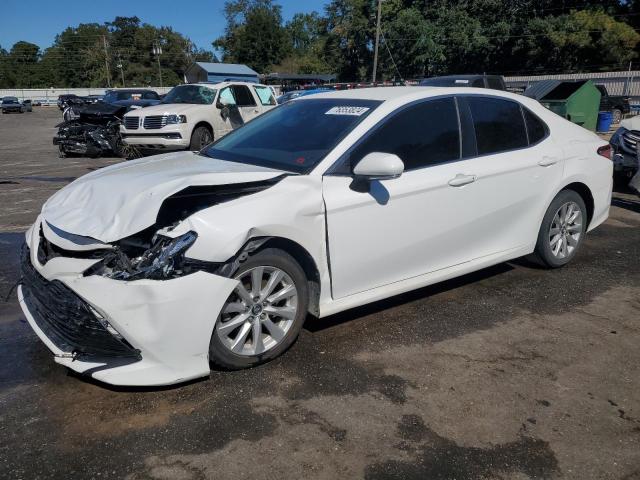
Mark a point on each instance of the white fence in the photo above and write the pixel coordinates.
(49, 96)
(618, 83)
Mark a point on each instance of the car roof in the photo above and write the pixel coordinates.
(218, 85)
(129, 90)
(405, 94)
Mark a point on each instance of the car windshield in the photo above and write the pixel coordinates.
(196, 94)
(9, 100)
(295, 136)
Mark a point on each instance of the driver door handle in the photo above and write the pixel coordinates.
(548, 161)
(460, 180)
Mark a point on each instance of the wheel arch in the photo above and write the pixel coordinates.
(293, 248)
(308, 264)
(203, 123)
(587, 197)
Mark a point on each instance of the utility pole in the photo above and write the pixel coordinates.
(106, 60)
(121, 68)
(157, 51)
(375, 53)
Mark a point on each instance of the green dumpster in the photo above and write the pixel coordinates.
(578, 102)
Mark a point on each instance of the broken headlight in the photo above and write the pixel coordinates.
(163, 260)
(173, 119)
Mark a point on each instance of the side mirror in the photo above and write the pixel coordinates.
(379, 166)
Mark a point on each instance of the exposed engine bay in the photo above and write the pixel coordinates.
(93, 130)
(151, 253)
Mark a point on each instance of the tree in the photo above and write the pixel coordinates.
(254, 34)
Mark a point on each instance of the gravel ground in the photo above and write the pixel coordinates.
(513, 372)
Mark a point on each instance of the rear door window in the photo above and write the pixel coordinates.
(421, 135)
(243, 96)
(498, 123)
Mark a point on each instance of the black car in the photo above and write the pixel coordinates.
(128, 97)
(618, 105)
(495, 82)
(64, 99)
(12, 104)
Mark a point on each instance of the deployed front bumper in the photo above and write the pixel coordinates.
(142, 332)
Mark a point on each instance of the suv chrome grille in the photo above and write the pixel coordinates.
(131, 123)
(153, 122)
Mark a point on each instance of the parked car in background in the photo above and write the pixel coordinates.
(495, 82)
(12, 105)
(625, 143)
(128, 97)
(192, 116)
(151, 271)
(300, 93)
(63, 100)
(618, 105)
(94, 98)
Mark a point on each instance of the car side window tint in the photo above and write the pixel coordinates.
(243, 96)
(495, 83)
(226, 97)
(498, 123)
(421, 135)
(536, 129)
(265, 95)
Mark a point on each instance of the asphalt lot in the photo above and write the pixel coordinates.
(513, 372)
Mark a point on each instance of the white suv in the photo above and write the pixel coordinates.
(194, 115)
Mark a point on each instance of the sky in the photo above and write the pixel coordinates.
(38, 21)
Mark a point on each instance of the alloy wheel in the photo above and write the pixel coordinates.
(205, 139)
(259, 312)
(565, 230)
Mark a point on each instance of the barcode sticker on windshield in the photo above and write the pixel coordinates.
(356, 111)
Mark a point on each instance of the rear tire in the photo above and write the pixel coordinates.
(200, 138)
(562, 231)
(617, 115)
(270, 303)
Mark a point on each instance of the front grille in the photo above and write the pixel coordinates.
(631, 139)
(131, 123)
(153, 122)
(66, 319)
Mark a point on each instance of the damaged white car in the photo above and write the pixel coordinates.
(151, 271)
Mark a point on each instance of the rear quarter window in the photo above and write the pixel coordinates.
(537, 130)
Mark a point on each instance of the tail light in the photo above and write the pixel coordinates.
(605, 151)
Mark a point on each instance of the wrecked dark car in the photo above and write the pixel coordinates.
(93, 132)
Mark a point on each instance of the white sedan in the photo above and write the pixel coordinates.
(152, 271)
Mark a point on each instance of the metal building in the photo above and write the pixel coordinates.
(219, 72)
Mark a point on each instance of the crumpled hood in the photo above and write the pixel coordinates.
(117, 201)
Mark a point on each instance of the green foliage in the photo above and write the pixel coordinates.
(78, 57)
(254, 35)
(424, 37)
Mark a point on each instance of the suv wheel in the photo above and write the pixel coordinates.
(264, 314)
(200, 138)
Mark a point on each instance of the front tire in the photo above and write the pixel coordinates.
(200, 138)
(562, 231)
(264, 314)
